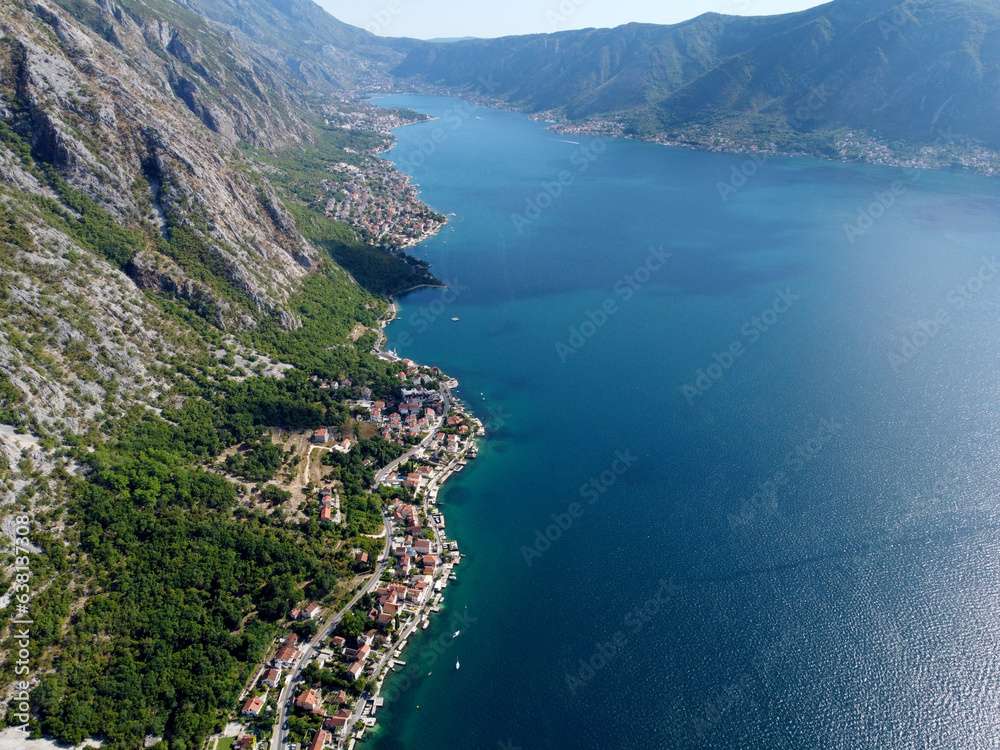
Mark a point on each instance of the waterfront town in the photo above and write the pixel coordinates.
(367, 192)
(379, 203)
(319, 684)
(850, 146)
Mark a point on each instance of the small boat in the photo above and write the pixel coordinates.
(456, 663)
(454, 320)
(456, 634)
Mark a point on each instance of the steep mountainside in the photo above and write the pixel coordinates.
(901, 71)
(103, 116)
(171, 298)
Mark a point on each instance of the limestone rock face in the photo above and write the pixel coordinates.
(144, 112)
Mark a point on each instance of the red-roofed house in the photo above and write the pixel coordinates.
(310, 700)
(286, 657)
(253, 707)
(272, 678)
(354, 671)
(335, 722)
(320, 740)
(338, 721)
(320, 435)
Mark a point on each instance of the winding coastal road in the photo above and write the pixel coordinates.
(287, 692)
(382, 474)
(309, 650)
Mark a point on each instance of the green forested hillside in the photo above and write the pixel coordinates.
(169, 285)
(911, 73)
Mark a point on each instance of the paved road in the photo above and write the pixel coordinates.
(382, 474)
(309, 650)
(284, 697)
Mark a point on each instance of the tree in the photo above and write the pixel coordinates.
(353, 624)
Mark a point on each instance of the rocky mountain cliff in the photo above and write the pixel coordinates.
(102, 111)
(168, 283)
(128, 134)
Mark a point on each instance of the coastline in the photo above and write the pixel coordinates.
(405, 594)
(987, 162)
(363, 712)
(365, 709)
(981, 161)
(360, 635)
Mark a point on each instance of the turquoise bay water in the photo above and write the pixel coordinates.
(765, 455)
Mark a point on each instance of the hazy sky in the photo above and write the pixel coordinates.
(427, 19)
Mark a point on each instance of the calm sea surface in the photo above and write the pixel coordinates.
(739, 486)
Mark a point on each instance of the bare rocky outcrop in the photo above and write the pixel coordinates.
(102, 109)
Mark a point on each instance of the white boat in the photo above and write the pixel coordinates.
(456, 634)
(456, 663)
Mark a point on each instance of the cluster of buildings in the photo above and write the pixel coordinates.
(379, 202)
(420, 566)
(361, 114)
(311, 700)
(859, 147)
(414, 415)
(414, 555)
(329, 511)
(596, 126)
(285, 658)
(330, 385)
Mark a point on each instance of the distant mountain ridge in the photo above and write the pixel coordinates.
(912, 72)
